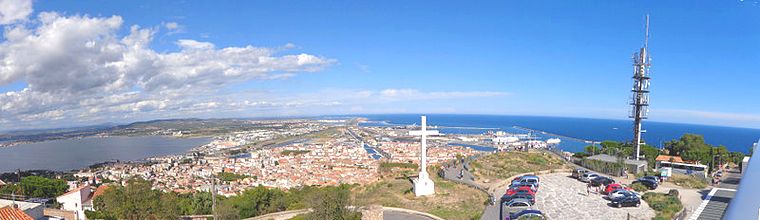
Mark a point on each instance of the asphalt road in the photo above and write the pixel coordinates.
(393, 215)
(715, 205)
(452, 174)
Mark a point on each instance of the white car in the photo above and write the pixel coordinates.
(589, 176)
(621, 193)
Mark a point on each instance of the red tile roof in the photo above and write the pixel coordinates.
(99, 191)
(667, 158)
(13, 213)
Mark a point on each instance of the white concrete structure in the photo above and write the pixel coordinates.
(423, 185)
(74, 200)
(505, 139)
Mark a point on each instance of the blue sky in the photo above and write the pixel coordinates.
(557, 58)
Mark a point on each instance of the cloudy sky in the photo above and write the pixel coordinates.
(90, 62)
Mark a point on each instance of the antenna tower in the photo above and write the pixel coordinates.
(640, 98)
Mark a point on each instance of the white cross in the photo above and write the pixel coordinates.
(423, 132)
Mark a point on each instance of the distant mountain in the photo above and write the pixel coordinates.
(59, 130)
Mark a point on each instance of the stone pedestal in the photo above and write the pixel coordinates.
(423, 185)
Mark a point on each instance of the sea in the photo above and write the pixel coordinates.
(573, 131)
(70, 154)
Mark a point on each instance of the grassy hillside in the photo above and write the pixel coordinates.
(503, 165)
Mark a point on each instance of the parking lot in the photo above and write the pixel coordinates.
(563, 197)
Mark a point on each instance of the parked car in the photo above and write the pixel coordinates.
(521, 184)
(648, 183)
(613, 187)
(630, 200)
(518, 203)
(652, 178)
(578, 172)
(522, 181)
(589, 176)
(520, 189)
(532, 179)
(621, 193)
(602, 180)
(527, 214)
(520, 195)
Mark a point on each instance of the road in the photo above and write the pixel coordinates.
(395, 215)
(716, 202)
(452, 173)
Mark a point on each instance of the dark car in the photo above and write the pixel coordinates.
(527, 214)
(648, 183)
(519, 195)
(602, 181)
(630, 200)
(652, 178)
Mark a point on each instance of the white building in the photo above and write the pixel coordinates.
(75, 200)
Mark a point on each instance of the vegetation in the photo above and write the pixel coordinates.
(693, 147)
(38, 187)
(688, 181)
(503, 165)
(137, 200)
(638, 187)
(229, 177)
(452, 201)
(332, 203)
(665, 205)
(294, 152)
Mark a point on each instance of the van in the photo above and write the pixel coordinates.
(577, 173)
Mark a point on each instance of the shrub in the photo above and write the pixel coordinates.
(665, 205)
(638, 187)
(673, 192)
(688, 181)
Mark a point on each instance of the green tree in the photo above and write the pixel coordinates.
(41, 187)
(137, 201)
(650, 153)
(198, 203)
(259, 201)
(333, 203)
(592, 150)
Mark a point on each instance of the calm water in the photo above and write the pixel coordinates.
(735, 139)
(75, 154)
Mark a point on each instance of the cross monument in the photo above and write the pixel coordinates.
(423, 185)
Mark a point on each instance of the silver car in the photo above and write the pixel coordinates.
(589, 176)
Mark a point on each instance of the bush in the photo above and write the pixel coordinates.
(638, 187)
(665, 205)
(688, 181)
(673, 192)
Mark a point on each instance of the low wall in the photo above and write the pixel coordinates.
(285, 215)
(60, 213)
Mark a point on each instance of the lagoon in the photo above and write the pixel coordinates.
(69, 154)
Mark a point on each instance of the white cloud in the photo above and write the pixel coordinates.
(80, 66)
(171, 25)
(173, 28)
(12, 11)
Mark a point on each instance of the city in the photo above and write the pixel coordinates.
(378, 110)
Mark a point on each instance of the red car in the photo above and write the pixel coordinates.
(613, 187)
(524, 189)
